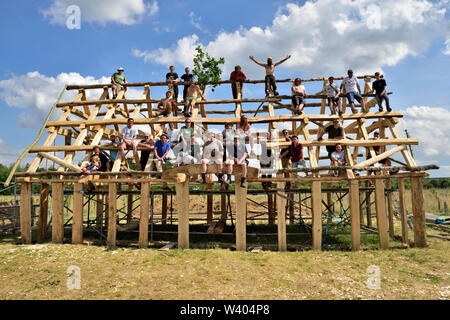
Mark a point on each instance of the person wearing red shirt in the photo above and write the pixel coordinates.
(237, 75)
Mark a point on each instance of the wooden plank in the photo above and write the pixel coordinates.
(380, 202)
(420, 234)
(182, 198)
(380, 157)
(209, 205)
(62, 163)
(25, 212)
(281, 216)
(402, 208)
(144, 215)
(168, 246)
(43, 213)
(77, 226)
(405, 153)
(57, 213)
(256, 249)
(355, 214)
(112, 214)
(241, 215)
(316, 203)
(99, 211)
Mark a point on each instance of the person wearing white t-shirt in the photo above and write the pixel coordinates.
(128, 140)
(352, 91)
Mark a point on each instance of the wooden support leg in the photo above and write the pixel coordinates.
(355, 214)
(291, 208)
(316, 199)
(77, 225)
(420, 235)
(164, 209)
(99, 209)
(144, 215)
(380, 203)
(241, 216)
(390, 210)
(209, 199)
(403, 214)
(182, 192)
(57, 213)
(223, 207)
(281, 216)
(112, 213)
(25, 212)
(43, 213)
(271, 215)
(129, 204)
(368, 207)
(361, 204)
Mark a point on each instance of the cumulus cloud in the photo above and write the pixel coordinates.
(127, 12)
(430, 126)
(35, 93)
(324, 36)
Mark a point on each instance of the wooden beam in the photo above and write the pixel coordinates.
(25, 212)
(402, 208)
(112, 214)
(420, 234)
(380, 202)
(57, 213)
(316, 199)
(355, 214)
(380, 157)
(390, 210)
(281, 217)
(241, 215)
(182, 198)
(144, 215)
(77, 226)
(43, 213)
(59, 161)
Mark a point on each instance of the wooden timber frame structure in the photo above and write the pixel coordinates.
(97, 119)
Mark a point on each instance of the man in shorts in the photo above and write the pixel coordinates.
(237, 156)
(191, 98)
(212, 153)
(353, 91)
(166, 105)
(117, 80)
(129, 134)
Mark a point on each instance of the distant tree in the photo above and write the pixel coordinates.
(206, 68)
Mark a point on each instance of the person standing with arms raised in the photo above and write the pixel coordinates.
(271, 83)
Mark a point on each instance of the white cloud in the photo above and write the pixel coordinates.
(324, 36)
(127, 12)
(429, 125)
(196, 22)
(447, 47)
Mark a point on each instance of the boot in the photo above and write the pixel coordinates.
(203, 178)
(220, 177)
(242, 182)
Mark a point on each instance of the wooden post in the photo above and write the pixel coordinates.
(281, 216)
(316, 199)
(77, 225)
(271, 215)
(25, 212)
(210, 202)
(390, 210)
(182, 192)
(130, 203)
(223, 207)
(380, 203)
(355, 214)
(361, 200)
(112, 212)
(99, 209)
(43, 213)
(241, 215)
(420, 235)
(291, 208)
(57, 213)
(403, 213)
(144, 215)
(368, 206)
(164, 209)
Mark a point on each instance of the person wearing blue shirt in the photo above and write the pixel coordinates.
(162, 148)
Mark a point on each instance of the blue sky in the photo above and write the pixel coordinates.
(405, 39)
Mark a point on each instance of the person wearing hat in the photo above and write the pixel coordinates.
(118, 79)
(335, 131)
(149, 144)
(332, 92)
(237, 156)
(352, 91)
(270, 81)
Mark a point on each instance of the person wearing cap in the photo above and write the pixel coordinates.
(332, 92)
(171, 79)
(117, 80)
(237, 156)
(112, 153)
(149, 146)
(335, 131)
(212, 153)
(166, 105)
(237, 76)
(379, 86)
(298, 96)
(353, 91)
(270, 81)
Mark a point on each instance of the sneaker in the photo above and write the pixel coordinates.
(243, 184)
(276, 93)
(340, 113)
(335, 173)
(389, 109)
(380, 109)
